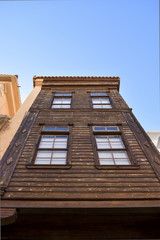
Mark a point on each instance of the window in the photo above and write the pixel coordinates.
(98, 94)
(110, 151)
(106, 129)
(100, 100)
(52, 148)
(62, 100)
(48, 128)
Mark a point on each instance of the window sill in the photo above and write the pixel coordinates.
(117, 167)
(38, 166)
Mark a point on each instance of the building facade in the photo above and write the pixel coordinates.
(10, 100)
(11, 110)
(155, 137)
(80, 167)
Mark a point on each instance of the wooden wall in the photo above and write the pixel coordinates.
(83, 180)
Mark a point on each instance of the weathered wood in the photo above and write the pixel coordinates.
(8, 215)
(11, 157)
(78, 196)
(145, 203)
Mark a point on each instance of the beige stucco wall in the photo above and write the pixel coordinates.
(9, 95)
(8, 131)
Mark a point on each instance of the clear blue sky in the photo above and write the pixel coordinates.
(86, 38)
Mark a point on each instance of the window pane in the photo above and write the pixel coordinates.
(59, 154)
(112, 129)
(103, 154)
(98, 94)
(44, 154)
(122, 162)
(62, 128)
(103, 146)
(60, 145)
(66, 100)
(106, 162)
(98, 106)
(106, 106)
(96, 101)
(57, 101)
(115, 139)
(67, 94)
(99, 128)
(58, 94)
(56, 106)
(65, 106)
(42, 161)
(101, 139)
(49, 128)
(58, 161)
(117, 145)
(47, 138)
(105, 100)
(120, 154)
(46, 145)
(61, 138)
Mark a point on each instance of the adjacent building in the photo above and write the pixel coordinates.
(155, 137)
(11, 110)
(80, 166)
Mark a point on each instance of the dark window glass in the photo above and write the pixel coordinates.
(99, 128)
(112, 128)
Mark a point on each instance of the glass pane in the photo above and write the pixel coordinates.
(116, 145)
(67, 94)
(105, 100)
(103, 154)
(58, 94)
(106, 162)
(42, 161)
(106, 106)
(101, 139)
(120, 154)
(60, 145)
(115, 139)
(98, 106)
(96, 101)
(66, 100)
(59, 154)
(47, 138)
(65, 106)
(57, 101)
(112, 129)
(98, 94)
(56, 106)
(103, 146)
(122, 162)
(58, 161)
(99, 128)
(49, 128)
(62, 128)
(46, 145)
(61, 139)
(44, 154)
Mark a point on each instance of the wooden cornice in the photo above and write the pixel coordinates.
(54, 81)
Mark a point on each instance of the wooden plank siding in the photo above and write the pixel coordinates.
(83, 180)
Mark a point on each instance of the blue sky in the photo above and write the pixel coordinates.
(86, 38)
